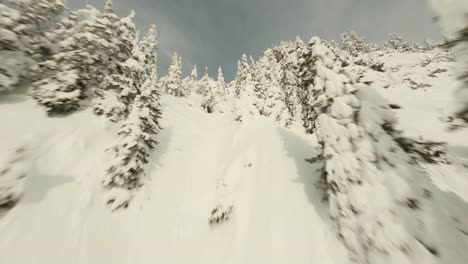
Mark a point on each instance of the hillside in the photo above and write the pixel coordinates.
(204, 160)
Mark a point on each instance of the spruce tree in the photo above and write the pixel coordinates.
(81, 62)
(244, 93)
(204, 83)
(241, 80)
(366, 165)
(221, 88)
(262, 83)
(289, 81)
(210, 99)
(453, 20)
(191, 82)
(116, 92)
(12, 51)
(274, 106)
(13, 176)
(396, 42)
(355, 44)
(36, 23)
(137, 134)
(172, 82)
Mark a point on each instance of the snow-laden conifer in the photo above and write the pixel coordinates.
(84, 55)
(366, 170)
(454, 22)
(138, 131)
(172, 82)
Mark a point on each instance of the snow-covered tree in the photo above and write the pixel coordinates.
(12, 52)
(13, 176)
(204, 83)
(172, 82)
(242, 74)
(261, 84)
(454, 22)
(274, 105)
(355, 44)
(244, 94)
(117, 91)
(82, 61)
(210, 99)
(221, 84)
(208, 90)
(365, 167)
(190, 83)
(137, 134)
(396, 42)
(289, 80)
(36, 21)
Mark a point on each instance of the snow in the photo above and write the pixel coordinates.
(277, 215)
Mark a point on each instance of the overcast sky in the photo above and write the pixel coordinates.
(217, 32)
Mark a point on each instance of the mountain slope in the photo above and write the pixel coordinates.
(277, 215)
(207, 160)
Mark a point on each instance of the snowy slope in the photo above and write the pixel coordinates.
(206, 160)
(277, 218)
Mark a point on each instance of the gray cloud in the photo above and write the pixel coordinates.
(217, 32)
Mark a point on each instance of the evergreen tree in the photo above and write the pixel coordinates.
(244, 94)
(209, 102)
(35, 25)
(274, 101)
(366, 164)
(117, 91)
(13, 177)
(191, 82)
(137, 134)
(262, 81)
(241, 80)
(396, 42)
(221, 85)
(204, 83)
(454, 22)
(289, 81)
(12, 52)
(355, 44)
(172, 83)
(82, 61)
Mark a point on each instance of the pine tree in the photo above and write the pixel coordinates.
(12, 52)
(454, 22)
(396, 42)
(261, 84)
(116, 92)
(355, 44)
(274, 99)
(137, 135)
(366, 164)
(81, 62)
(13, 176)
(204, 83)
(191, 82)
(209, 102)
(244, 94)
(221, 88)
(289, 81)
(241, 76)
(35, 25)
(172, 82)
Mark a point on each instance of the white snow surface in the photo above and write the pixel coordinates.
(204, 161)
